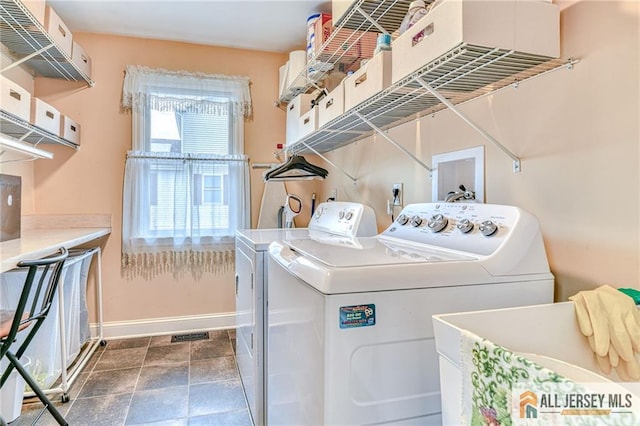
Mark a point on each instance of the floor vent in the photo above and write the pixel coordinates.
(189, 337)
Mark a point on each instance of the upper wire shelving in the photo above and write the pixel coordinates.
(30, 43)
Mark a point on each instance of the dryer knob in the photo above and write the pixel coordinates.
(437, 223)
(403, 219)
(349, 215)
(465, 226)
(340, 214)
(488, 228)
(416, 221)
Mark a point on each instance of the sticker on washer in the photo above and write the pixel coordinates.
(357, 316)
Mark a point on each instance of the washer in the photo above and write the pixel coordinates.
(331, 220)
(351, 339)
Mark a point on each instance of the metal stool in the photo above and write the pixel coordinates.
(12, 322)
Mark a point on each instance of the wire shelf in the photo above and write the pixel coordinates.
(464, 73)
(25, 132)
(353, 39)
(23, 35)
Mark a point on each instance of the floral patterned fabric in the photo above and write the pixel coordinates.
(490, 373)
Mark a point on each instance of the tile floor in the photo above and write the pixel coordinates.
(151, 381)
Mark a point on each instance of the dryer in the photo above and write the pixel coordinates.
(350, 333)
(334, 218)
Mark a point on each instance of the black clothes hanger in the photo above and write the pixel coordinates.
(296, 167)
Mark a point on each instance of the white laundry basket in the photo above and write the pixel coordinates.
(45, 348)
(12, 391)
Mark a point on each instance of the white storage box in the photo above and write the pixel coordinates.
(521, 25)
(14, 99)
(37, 9)
(58, 31)
(308, 123)
(81, 59)
(11, 394)
(369, 80)
(548, 335)
(298, 106)
(331, 106)
(69, 130)
(45, 116)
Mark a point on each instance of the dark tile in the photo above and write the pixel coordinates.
(216, 397)
(32, 408)
(110, 382)
(229, 418)
(121, 358)
(135, 342)
(217, 335)
(174, 353)
(161, 340)
(213, 370)
(207, 349)
(106, 410)
(163, 376)
(158, 405)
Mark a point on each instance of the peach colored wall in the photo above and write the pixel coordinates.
(90, 180)
(577, 133)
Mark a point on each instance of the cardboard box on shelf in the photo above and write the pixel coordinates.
(369, 80)
(45, 116)
(58, 31)
(14, 99)
(81, 59)
(69, 130)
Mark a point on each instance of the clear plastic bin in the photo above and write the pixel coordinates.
(45, 348)
(12, 391)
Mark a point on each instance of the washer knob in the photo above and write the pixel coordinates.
(340, 214)
(403, 219)
(465, 226)
(416, 221)
(488, 228)
(437, 223)
(349, 215)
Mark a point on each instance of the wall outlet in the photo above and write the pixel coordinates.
(397, 201)
(333, 194)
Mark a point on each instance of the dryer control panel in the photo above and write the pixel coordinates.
(345, 219)
(469, 227)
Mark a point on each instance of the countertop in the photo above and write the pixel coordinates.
(38, 242)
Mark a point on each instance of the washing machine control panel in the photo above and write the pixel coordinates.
(472, 227)
(344, 219)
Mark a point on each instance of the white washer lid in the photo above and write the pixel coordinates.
(344, 253)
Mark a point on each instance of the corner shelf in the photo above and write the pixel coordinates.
(27, 39)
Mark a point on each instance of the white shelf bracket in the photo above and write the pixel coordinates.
(26, 58)
(392, 142)
(371, 20)
(354, 180)
(516, 161)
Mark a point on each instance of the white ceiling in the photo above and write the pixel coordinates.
(267, 25)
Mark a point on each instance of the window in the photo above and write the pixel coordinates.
(186, 180)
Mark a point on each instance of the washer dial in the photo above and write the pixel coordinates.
(403, 219)
(416, 221)
(465, 226)
(437, 223)
(488, 228)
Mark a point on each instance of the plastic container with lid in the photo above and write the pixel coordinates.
(383, 43)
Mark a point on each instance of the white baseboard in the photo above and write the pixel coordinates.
(160, 326)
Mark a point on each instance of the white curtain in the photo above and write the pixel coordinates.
(181, 209)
